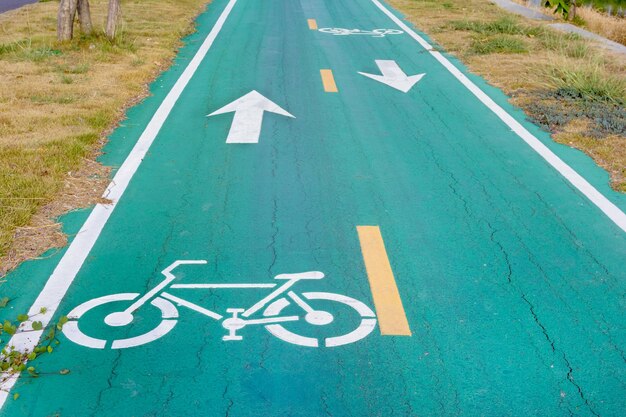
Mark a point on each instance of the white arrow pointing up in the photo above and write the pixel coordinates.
(393, 76)
(249, 109)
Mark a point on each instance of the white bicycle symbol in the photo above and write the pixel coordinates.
(272, 319)
(375, 33)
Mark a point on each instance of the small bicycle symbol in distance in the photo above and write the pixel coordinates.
(271, 307)
(375, 33)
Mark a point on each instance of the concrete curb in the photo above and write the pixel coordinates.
(563, 27)
(522, 10)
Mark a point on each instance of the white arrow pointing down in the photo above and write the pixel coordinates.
(393, 76)
(249, 109)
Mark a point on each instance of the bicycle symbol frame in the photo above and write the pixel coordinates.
(272, 305)
(375, 33)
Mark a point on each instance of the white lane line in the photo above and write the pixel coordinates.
(596, 197)
(65, 272)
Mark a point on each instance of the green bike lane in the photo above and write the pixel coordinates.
(511, 281)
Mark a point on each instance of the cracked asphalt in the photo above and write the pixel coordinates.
(513, 283)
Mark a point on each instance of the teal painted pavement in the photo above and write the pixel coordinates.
(512, 281)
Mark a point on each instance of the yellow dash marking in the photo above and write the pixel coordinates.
(312, 24)
(391, 315)
(329, 81)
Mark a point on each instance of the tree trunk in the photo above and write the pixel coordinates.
(65, 20)
(84, 16)
(572, 10)
(113, 15)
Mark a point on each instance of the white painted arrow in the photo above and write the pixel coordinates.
(249, 109)
(393, 76)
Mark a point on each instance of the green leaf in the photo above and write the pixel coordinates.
(43, 310)
(9, 328)
(32, 356)
(16, 396)
(22, 317)
(49, 349)
(4, 301)
(37, 325)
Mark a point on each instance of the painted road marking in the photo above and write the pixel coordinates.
(329, 81)
(272, 305)
(376, 33)
(312, 24)
(249, 110)
(73, 259)
(596, 197)
(391, 316)
(393, 76)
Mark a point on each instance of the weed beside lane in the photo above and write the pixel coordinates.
(499, 44)
(589, 81)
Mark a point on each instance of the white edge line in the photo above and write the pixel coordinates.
(63, 275)
(596, 197)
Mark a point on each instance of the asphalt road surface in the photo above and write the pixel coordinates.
(318, 213)
(6, 5)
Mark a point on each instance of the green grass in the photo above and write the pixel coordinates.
(570, 45)
(25, 50)
(37, 50)
(602, 4)
(66, 79)
(503, 26)
(590, 81)
(498, 44)
(51, 99)
(28, 175)
(73, 69)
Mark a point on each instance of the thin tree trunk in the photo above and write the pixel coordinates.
(572, 13)
(84, 17)
(113, 15)
(65, 20)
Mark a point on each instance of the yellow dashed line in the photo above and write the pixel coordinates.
(391, 316)
(329, 81)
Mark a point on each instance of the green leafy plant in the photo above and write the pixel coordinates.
(565, 8)
(13, 361)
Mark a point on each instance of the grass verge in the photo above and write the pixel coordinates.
(564, 83)
(57, 102)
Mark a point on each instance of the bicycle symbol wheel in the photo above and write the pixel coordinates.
(364, 328)
(168, 311)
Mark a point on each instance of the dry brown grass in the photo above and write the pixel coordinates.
(610, 27)
(602, 24)
(565, 83)
(58, 100)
